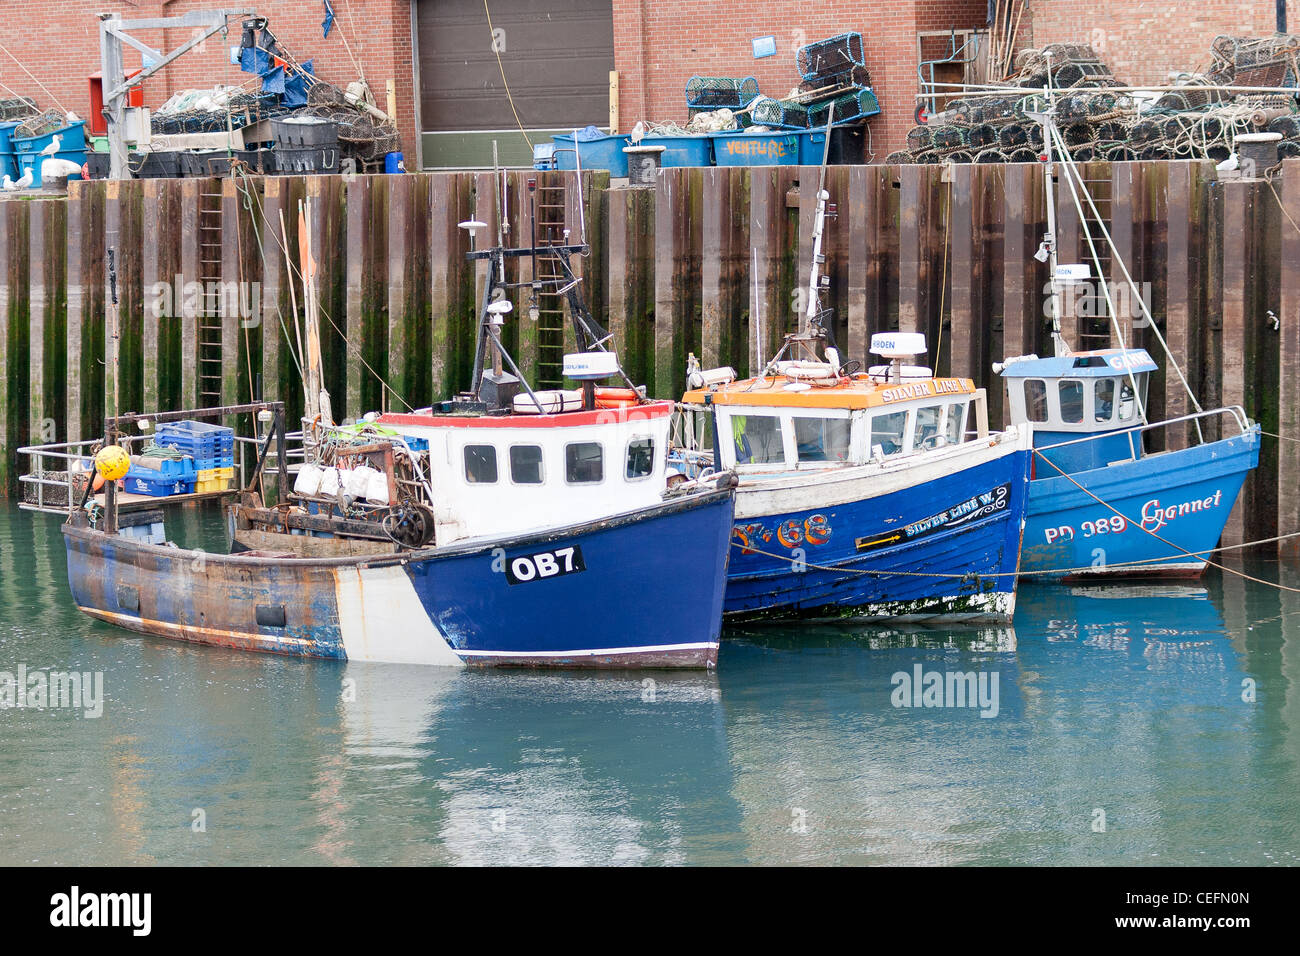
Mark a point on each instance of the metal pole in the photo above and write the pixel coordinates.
(112, 76)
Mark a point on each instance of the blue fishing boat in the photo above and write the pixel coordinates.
(878, 495)
(1101, 502)
(506, 526)
(1114, 494)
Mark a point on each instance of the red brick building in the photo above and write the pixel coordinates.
(440, 64)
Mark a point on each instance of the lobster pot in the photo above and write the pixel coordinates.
(854, 76)
(779, 114)
(1288, 126)
(919, 138)
(844, 109)
(949, 137)
(712, 92)
(983, 136)
(832, 55)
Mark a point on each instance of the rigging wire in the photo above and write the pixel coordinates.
(504, 82)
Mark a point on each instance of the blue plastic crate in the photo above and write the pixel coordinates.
(147, 481)
(756, 149)
(416, 444)
(72, 138)
(216, 461)
(8, 165)
(200, 440)
(174, 467)
(691, 150)
(33, 162)
(603, 152)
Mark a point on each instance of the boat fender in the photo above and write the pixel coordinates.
(616, 397)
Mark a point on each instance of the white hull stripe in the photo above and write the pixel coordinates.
(381, 618)
(600, 652)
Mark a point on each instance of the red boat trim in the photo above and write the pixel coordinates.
(601, 416)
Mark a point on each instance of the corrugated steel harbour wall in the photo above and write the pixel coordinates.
(701, 263)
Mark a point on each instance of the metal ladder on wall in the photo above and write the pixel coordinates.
(210, 305)
(550, 220)
(1094, 319)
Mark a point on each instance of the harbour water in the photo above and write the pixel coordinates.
(1123, 724)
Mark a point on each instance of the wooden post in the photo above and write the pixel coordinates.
(962, 263)
(1237, 221)
(1288, 488)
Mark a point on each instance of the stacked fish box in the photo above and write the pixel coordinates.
(211, 448)
(159, 477)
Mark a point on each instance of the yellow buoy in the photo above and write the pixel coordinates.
(112, 462)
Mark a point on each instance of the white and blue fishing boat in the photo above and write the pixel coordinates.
(874, 495)
(505, 527)
(1113, 494)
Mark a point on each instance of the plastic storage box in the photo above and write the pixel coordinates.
(156, 483)
(604, 152)
(756, 149)
(693, 150)
(72, 146)
(8, 165)
(214, 479)
(211, 446)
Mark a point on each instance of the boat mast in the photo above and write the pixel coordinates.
(1047, 120)
(819, 224)
(317, 399)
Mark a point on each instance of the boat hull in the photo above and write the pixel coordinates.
(1183, 496)
(605, 594)
(927, 543)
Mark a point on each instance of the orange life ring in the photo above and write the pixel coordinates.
(616, 397)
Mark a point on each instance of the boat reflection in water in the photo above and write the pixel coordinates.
(537, 768)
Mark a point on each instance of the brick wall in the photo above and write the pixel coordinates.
(1142, 41)
(660, 44)
(64, 51)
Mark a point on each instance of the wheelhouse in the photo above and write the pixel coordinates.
(1101, 393)
(497, 474)
(763, 426)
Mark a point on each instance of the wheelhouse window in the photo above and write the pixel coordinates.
(887, 433)
(954, 424)
(758, 439)
(584, 463)
(640, 458)
(1035, 400)
(1103, 399)
(925, 434)
(1070, 392)
(526, 464)
(480, 464)
(822, 439)
(1128, 408)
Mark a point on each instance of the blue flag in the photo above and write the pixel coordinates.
(329, 19)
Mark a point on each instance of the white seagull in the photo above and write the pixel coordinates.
(53, 146)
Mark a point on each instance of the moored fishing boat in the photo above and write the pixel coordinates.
(506, 526)
(878, 495)
(874, 495)
(1114, 494)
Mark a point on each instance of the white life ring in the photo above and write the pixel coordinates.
(806, 370)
